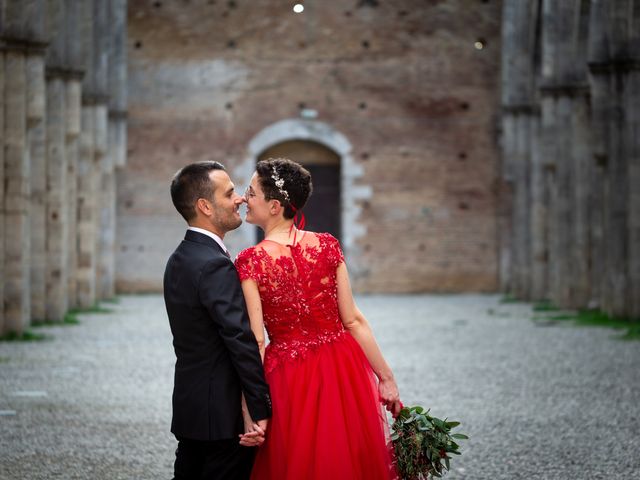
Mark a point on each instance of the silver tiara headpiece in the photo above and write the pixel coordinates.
(279, 183)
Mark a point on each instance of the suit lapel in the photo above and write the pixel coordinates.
(203, 239)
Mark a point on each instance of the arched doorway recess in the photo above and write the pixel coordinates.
(301, 130)
(322, 211)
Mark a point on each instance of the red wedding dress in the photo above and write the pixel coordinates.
(327, 423)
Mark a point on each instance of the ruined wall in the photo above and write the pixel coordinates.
(408, 88)
(571, 164)
(55, 56)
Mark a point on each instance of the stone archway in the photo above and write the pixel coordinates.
(323, 208)
(289, 130)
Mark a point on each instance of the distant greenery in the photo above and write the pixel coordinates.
(70, 318)
(597, 318)
(26, 336)
(545, 306)
(509, 299)
(94, 309)
(593, 318)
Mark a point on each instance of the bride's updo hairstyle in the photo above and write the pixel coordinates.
(286, 181)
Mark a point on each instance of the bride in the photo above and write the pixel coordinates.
(325, 370)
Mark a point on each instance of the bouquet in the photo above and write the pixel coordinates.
(423, 444)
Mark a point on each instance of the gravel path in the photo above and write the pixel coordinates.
(539, 402)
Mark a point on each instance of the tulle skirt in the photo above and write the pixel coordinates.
(327, 423)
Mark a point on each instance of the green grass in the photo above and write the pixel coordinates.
(545, 306)
(596, 318)
(69, 319)
(562, 316)
(509, 299)
(94, 309)
(26, 336)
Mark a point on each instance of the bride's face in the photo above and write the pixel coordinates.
(257, 205)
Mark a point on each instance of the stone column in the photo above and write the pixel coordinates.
(117, 144)
(17, 249)
(520, 127)
(36, 138)
(21, 40)
(73, 108)
(611, 60)
(598, 55)
(57, 167)
(118, 83)
(103, 159)
(87, 172)
(2, 207)
(73, 96)
(632, 103)
(36, 110)
(86, 220)
(566, 138)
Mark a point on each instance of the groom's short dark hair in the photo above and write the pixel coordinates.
(191, 183)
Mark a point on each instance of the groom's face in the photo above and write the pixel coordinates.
(226, 202)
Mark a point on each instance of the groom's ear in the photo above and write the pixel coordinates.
(203, 205)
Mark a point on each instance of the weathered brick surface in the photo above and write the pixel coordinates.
(401, 81)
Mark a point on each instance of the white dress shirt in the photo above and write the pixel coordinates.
(211, 235)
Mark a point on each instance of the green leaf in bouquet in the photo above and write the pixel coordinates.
(410, 420)
(438, 423)
(461, 436)
(446, 462)
(452, 424)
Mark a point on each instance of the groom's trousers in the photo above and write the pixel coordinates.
(215, 460)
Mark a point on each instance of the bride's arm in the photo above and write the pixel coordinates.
(357, 325)
(254, 308)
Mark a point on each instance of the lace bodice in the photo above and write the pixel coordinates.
(298, 290)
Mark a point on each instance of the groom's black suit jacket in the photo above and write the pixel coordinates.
(217, 357)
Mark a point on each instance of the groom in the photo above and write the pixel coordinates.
(217, 357)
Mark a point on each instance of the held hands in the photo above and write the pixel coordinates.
(389, 396)
(254, 432)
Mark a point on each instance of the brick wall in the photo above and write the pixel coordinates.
(402, 81)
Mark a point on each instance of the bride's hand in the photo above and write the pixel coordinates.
(254, 434)
(389, 395)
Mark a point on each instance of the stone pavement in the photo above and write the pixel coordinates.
(539, 402)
